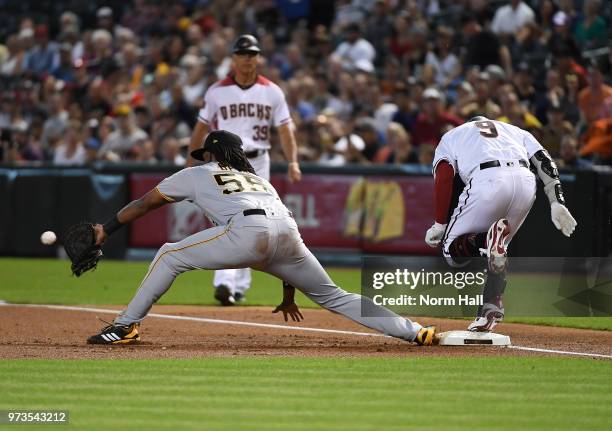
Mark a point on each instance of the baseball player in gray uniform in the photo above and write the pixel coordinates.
(492, 159)
(253, 229)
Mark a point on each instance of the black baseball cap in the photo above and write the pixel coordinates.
(246, 43)
(215, 138)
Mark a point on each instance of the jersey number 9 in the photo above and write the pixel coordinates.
(233, 182)
(487, 129)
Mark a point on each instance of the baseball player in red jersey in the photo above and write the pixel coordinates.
(249, 105)
(492, 158)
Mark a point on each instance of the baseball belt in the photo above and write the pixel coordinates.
(255, 153)
(497, 163)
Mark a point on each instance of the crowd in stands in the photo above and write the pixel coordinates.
(367, 81)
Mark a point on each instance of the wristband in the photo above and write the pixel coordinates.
(112, 225)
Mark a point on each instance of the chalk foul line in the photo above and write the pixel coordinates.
(273, 326)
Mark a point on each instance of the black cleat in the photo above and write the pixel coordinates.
(223, 294)
(116, 334)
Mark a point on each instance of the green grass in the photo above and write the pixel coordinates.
(49, 281)
(599, 323)
(316, 394)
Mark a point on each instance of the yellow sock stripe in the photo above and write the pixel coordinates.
(168, 198)
(179, 249)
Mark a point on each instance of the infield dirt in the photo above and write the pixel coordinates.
(61, 334)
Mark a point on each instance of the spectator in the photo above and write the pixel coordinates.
(221, 61)
(483, 47)
(350, 147)
(512, 17)
(373, 151)
(546, 19)
(65, 69)
(555, 130)
(400, 43)
(591, 31)
(146, 152)
(56, 122)
(92, 146)
(523, 84)
(163, 56)
(171, 151)
(407, 101)
(556, 95)
(355, 50)
(567, 66)
(484, 98)
(378, 30)
(569, 157)
(401, 150)
(13, 63)
(121, 143)
(44, 56)
(432, 120)
(106, 21)
(595, 100)
(302, 111)
(598, 141)
(331, 149)
(465, 105)
(514, 112)
(562, 37)
(194, 82)
(71, 150)
(441, 62)
(426, 155)
(529, 48)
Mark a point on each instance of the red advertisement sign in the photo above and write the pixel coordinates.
(374, 214)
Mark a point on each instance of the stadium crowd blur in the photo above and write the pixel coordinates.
(367, 81)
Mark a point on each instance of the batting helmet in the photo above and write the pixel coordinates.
(246, 43)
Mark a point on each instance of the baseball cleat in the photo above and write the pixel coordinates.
(426, 336)
(239, 297)
(496, 251)
(483, 324)
(224, 295)
(116, 334)
(492, 314)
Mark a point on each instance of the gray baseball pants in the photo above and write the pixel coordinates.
(268, 243)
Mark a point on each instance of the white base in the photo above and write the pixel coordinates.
(468, 338)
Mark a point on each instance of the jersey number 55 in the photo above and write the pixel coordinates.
(233, 182)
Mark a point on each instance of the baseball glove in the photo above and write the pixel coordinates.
(80, 244)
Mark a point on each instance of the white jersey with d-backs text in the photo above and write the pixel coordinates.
(248, 112)
(467, 146)
(221, 193)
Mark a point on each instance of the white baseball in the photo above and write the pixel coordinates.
(48, 237)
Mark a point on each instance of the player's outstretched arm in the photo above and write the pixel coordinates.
(132, 211)
(549, 174)
(289, 145)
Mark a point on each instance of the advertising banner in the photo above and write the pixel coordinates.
(373, 214)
